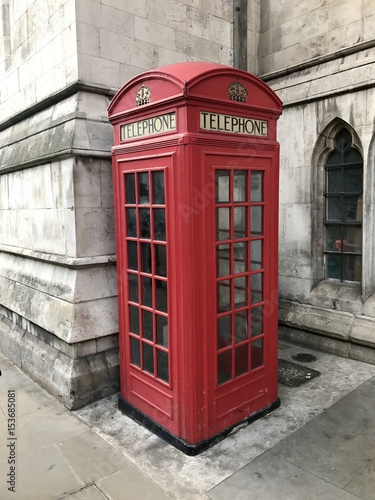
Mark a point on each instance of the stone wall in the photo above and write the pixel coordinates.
(319, 58)
(61, 62)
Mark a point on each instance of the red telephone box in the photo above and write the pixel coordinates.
(195, 166)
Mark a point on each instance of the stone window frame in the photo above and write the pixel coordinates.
(323, 147)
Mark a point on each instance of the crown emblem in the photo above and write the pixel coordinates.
(143, 95)
(237, 92)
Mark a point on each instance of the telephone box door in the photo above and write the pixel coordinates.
(143, 276)
(243, 235)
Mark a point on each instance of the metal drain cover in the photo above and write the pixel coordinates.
(304, 357)
(293, 375)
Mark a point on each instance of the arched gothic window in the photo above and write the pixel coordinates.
(343, 210)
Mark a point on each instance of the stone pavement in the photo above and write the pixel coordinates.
(320, 443)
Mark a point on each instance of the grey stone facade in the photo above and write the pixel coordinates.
(61, 62)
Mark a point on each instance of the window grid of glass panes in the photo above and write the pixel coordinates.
(239, 207)
(343, 210)
(146, 242)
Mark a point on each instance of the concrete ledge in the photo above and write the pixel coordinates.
(326, 344)
(74, 381)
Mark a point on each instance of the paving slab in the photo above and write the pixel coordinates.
(269, 478)
(41, 474)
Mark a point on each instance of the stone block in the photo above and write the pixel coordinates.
(322, 321)
(173, 14)
(368, 8)
(95, 231)
(97, 70)
(148, 31)
(106, 184)
(198, 22)
(87, 188)
(100, 135)
(88, 41)
(220, 31)
(346, 12)
(138, 8)
(363, 331)
(192, 46)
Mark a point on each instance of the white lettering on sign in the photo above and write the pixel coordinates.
(233, 124)
(150, 126)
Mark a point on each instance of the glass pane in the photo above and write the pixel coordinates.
(222, 186)
(256, 186)
(256, 288)
(135, 355)
(223, 296)
(352, 267)
(131, 223)
(256, 354)
(241, 360)
(146, 265)
(353, 238)
(159, 224)
(333, 266)
(223, 260)
(240, 292)
(240, 257)
(144, 189)
(130, 188)
(161, 296)
(334, 180)
(333, 238)
(256, 255)
(353, 179)
(146, 291)
(160, 260)
(134, 319)
(223, 223)
(352, 208)
(240, 186)
(147, 325)
(162, 330)
(223, 332)
(132, 255)
(163, 372)
(133, 287)
(333, 208)
(148, 358)
(158, 188)
(144, 214)
(224, 367)
(256, 321)
(256, 221)
(240, 326)
(240, 222)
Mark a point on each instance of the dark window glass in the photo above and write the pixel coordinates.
(131, 221)
(256, 255)
(223, 223)
(240, 326)
(256, 186)
(223, 260)
(161, 296)
(158, 188)
(133, 287)
(241, 363)
(160, 260)
(256, 288)
(343, 210)
(163, 371)
(240, 222)
(224, 367)
(132, 255)
(144, 215)
(146, 264)
(134, 319)
(223, 332)
(256, 221)
(146, 291)
(256, 354)
(130, 189)
(148, 358)
(159, 224)
(162, 330)
(144, 190)
(240, 257)
(256, 321)
(223, 296)
(135, 355)
(147, 325)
